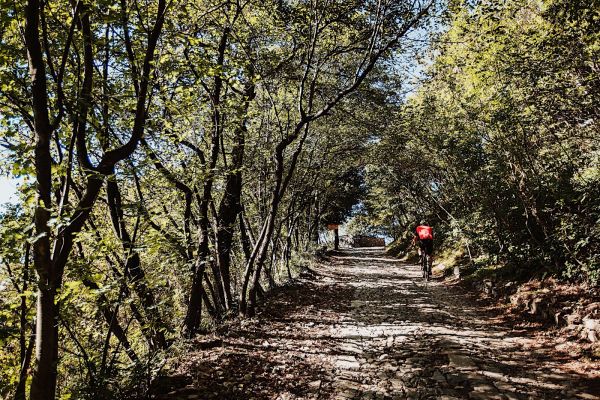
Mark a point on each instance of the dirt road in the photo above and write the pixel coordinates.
(368, 327)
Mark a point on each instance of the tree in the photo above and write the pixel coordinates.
(51, 250)
(176, 159)
(506, 135)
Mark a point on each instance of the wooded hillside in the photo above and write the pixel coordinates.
(499, 146)
(178, 159)
(175, 156)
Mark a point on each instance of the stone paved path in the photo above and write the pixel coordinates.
(406, 338)
(369, 328)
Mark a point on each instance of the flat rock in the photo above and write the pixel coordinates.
(461, 361)
(347, 362)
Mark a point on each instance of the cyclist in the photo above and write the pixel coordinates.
(423, 237)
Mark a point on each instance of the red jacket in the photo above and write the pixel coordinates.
(424, 232)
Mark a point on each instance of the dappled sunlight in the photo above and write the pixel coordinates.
(414, 339)
(366, 330)
(367, 259)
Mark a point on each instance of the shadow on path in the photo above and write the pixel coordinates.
(368, 327)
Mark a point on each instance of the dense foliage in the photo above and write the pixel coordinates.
(174, 158)
(499, 146)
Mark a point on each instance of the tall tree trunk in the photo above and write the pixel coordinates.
(112, 321)
(314, 229)
(336, 239)
(43, 385)
(50, 263)
(261, 247)
(230, 204)
(287, 252)
(194, 310)
(244, 237)
(25, 363)
(192, 318)
(193, 315)
(25, 331)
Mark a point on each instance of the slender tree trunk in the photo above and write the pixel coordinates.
(230, 204)
(193, 315)
(134, 272)
(209, 307)
(245, 238)
(194, 310)
(43, 385)
(261, 248)
(271, 268)
(50, 263)
(288, 252)
(26, 347)
(192, 318)
(316, 223)
(25, 363)
(24, 328)
(112, 321)
(213, 295)
(262, 245)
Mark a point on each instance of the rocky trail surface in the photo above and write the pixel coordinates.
(364, 326)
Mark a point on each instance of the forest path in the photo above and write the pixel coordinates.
(368, 327)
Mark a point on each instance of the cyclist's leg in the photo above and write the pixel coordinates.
(429, 250)
(422, 256)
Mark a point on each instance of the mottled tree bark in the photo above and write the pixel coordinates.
(50, 261)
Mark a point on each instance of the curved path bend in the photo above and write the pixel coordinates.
(366, 326)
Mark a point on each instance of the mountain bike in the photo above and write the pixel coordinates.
(426, 265)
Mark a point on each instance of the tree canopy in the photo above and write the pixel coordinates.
(499, 144)
(177, 159)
